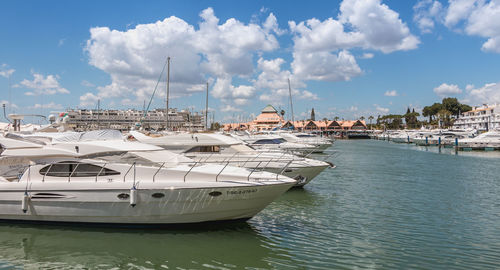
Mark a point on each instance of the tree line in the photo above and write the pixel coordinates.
(441, 114)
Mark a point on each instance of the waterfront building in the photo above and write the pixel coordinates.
(269, 119)
(82, 119)
(481, 118)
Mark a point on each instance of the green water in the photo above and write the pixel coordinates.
(386, 206)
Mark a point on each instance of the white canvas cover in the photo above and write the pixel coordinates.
(95, 135)
(163, 156)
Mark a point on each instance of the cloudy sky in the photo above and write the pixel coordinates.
(347, 58)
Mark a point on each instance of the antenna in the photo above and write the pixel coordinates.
(10, 97)
(168, 89)
(98, 114)
(206, 110)
(291, 103)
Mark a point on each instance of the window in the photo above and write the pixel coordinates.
(205, 149)
(270, 141)
(75, 169)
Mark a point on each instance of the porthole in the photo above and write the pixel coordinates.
(158, 195)
(123, 196)
(215, 193)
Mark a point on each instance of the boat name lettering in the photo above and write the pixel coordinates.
(238, 192)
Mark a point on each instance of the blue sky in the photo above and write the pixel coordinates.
(346, 58)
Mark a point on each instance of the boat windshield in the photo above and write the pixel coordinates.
(305, 136)
(270, 141)
(75, 169)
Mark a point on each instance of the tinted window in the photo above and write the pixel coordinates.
(266, 141)
(76, 169)
(210, 149)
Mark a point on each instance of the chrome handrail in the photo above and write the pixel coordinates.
(73, 171)
(125, 175)
(190, 170)
(253, 169)
(48, 170)
(157, 171)
(102, 168)
(217, 177)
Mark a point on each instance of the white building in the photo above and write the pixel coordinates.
(82, 119)
(482, 118)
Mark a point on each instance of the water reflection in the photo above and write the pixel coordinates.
(236, 246)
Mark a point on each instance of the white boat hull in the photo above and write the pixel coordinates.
(178, 205)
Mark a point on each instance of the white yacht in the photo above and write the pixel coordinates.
(224, 149)
(118, 182)
(265, 142)
(486, 141)
(442, 137)
(400, 137)
(307, 138)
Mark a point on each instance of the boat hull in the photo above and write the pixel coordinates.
(110, 206)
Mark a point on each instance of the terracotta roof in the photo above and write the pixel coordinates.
(321, 123)
(269, 109)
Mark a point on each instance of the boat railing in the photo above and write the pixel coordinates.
(101, 168)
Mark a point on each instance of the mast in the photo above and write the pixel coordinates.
(10, 95)
(98, 114)
(168, 89)
(206, 110)
(291, 103)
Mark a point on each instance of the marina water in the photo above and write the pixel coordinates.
(384, 206)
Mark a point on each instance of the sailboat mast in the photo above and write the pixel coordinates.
(99, 114)
(206, 110)
(291, 103)
(168, 90)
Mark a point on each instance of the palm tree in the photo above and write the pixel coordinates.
(370, 118)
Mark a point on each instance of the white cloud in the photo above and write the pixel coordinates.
(325, 66)
(447, 89)
(229, 108)
(223, 89)
(367, 56)
(489, 94)
(484, 22)
(380, 27)
(271, 24)
(88, 100)
(273, 78)
(308, 95)
(320, 49)
(266, 97)
(5, 71)
(426, 12)
(50, 105)
(43, 85)
(391, 93)
(473, 17)
(131, 57)
(380, 109)
(353, 108)
(457, 11)
(87, 83)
